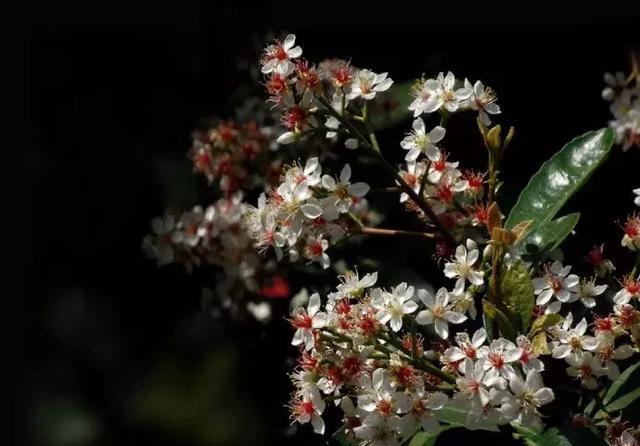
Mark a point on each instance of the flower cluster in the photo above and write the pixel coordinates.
(444, 94)
(297, 88)
(305, 213)
(230, 152)
(624, 94)
(217, 235)
(365, 350)
(454, 195)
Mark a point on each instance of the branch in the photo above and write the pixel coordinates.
(372, 145)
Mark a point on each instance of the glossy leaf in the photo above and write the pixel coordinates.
(560, 177)
(629, 379)
(539, 242)
(564, 437)
(425, 438)
(624, 400)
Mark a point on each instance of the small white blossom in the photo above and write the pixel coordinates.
(462, 265)
(419, 141)
(393, 306)
(439, 312)
(573, 341)
(557, 283)
(530, 394)
(367, 83)
(277, 57)
(307, 321)
(587, 290)
(585, 367)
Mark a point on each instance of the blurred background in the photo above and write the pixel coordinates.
(114, 350)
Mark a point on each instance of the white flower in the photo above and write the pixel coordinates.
(413, 177)
(636, 200)
(529, 395)
(462, 299)
(626, 439)
(277, 57)
(367, 83)
(380, 396)
(557, 282)
(343, 191)
(587, 290)
(630, 289)
(308, 408)
(393, 306)
(307, 321)
(482, 99)
(419, 141)
(496, 358)
(585, 367)
(609, 354)
(467, 348)
(573, 341)
(437, 93)
(462, 266)
(527, 358)
(473, 384)
(438, 312)
(311, 173)
(377, 430)
(159, 245)
(353, 286)
(613, 82)
(261, 311)
(315, 250)
(422, 406)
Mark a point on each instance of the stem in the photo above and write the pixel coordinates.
(372, 145)
(423, 364)
(395, 232)
(414, 344)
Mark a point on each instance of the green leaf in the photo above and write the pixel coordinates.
(627, 381)
(391, 108)
(457, 416)
(544, 239)
(517, 293)
(426, 438)
(503, 317)
(543, 322)
(581, 436)
(623, 401)
(560, 177)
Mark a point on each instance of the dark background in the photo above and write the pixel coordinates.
(113, 350)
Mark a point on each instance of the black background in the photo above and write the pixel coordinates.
(113, 88)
